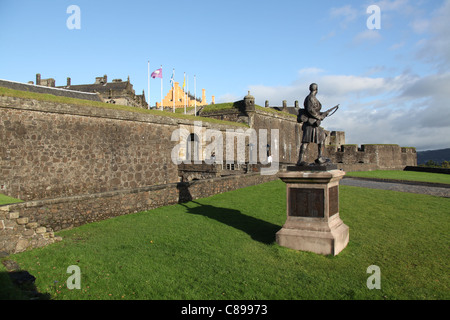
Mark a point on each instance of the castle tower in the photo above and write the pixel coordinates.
(249, 102)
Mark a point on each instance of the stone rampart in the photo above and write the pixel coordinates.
(52, 150)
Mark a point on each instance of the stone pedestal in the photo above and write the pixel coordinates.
(313, 223)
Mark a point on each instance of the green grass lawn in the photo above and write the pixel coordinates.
(223, 247)
(402, 175)
(8, 200)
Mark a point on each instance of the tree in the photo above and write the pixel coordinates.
(431, 163)
(445, 164)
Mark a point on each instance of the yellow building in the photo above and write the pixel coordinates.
(181, 97)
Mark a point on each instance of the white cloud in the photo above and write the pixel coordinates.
(346, 14)
(435, 49)
(420, 25)
(396, 5)
(227, 98)
(367, 36)
(435, 85)
(328, 36)
(397, 46)
(405, 109)
(331, 87)
(345, 84)
(310, 71)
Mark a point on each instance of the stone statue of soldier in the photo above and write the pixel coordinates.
(311, 118)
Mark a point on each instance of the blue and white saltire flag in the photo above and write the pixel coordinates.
(171, 79)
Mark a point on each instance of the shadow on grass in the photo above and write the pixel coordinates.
(19, 285)
(257, 229)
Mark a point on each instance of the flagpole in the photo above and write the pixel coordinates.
(184, 83)
(162, 108)
(187, 92)
(195, 96)
(148, 92)
(173, 90)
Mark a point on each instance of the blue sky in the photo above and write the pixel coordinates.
(392, 83)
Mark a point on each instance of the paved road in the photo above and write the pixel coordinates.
(403, 187)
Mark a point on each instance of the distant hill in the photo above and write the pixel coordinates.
(435, 155)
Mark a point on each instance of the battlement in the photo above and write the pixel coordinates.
(383, 156)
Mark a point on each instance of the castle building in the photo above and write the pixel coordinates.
(115, 92)
(182, 98)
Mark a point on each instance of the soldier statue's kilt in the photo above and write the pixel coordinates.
(312, 132)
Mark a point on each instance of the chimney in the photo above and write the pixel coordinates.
(51, 82)
(213, 100)
(203, 95)
(38, 79)
(68, 81)
(101, 80)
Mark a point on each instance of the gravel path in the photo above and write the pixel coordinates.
(398, 186)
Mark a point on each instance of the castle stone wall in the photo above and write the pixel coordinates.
(51, 150)
(372, 157)
(289, 133)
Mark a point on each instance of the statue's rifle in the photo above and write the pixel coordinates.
(304, 117)
(334, 109)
